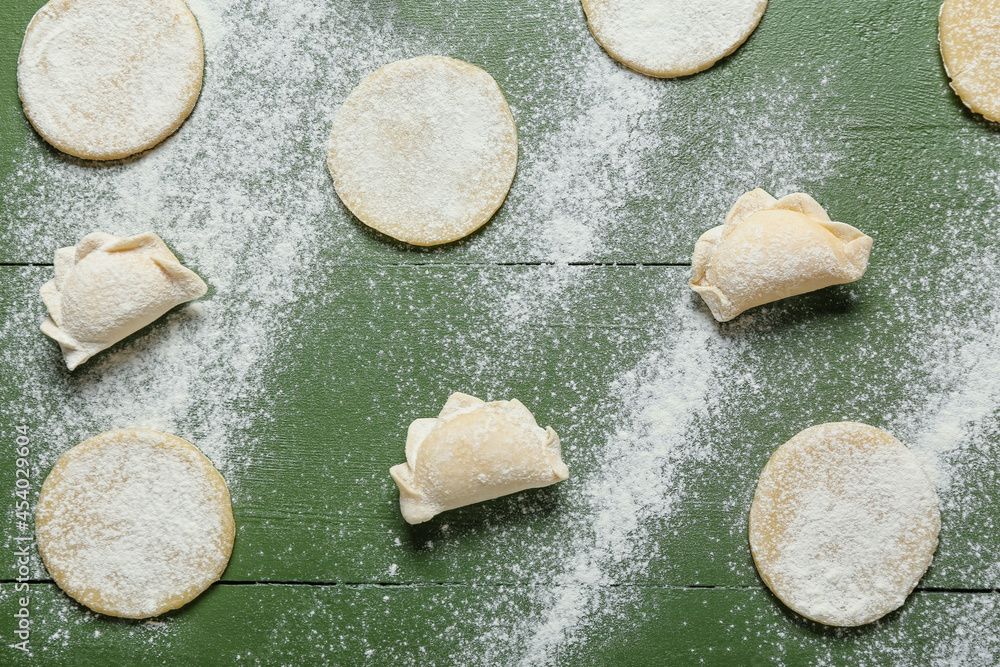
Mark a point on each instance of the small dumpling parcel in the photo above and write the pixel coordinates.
(770, 249)
(471, 452)
(107, 287)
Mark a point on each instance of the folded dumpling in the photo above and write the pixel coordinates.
(770, 249)
(107, 288)
(474, 451)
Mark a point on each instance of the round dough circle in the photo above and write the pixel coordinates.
(843, 524)
(424, 150)
(134, 523)
(671, 38)
(105, 79)
(969, 31)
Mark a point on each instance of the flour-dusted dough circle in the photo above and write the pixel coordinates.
(104, 79)
(424, 150)
(844, 523)
(134, 523)
(969, 31)
(670, 38)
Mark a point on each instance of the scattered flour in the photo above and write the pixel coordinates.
(229, 195)
(580, 180)
(242, 195)
(633, 481)
(661, 406)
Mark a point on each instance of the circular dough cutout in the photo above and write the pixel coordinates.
(970, 47)
(671, 38)
(424, 150)
(134, 523)
(105, 79)
(844, 523)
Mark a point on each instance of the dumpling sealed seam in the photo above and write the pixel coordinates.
(770, 249)
(107, 287)
(474, 451)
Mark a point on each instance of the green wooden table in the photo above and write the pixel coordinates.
(320, 341)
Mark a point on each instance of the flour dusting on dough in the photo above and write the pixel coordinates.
(101, 80)
(671, 38)
(424, 149)
(133, 523)
(844, 523)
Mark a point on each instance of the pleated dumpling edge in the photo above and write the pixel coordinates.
(474, 451)
(107, 287)
(770, 249)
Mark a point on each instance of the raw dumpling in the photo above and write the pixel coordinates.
(474, 451)
(770, 249)
(107, 288)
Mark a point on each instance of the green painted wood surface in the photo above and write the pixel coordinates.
(866, 79)
(378, 625)
(324, 569)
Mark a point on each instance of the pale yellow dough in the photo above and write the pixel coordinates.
(770, 249)
(969, 32)
(672, 38)
(843, 524)
(134, 523)
(474, 451)
(107, 287)
(424, 150)
(104, 79)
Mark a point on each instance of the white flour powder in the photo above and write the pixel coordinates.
(242, 194)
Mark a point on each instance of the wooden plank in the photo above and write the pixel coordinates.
(443, 625)
(309, 473)
(15, 132)
(846, 101)
(830, 98)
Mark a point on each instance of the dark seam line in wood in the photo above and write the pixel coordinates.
(508, 584)
(424, 584)
(590, 264)
(418, 584)
(967, 591)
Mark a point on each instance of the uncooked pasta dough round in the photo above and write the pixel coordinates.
(970, 48)
(134, 523)
(669, 38)
(104, 79)
(424, 150)
(843, 524)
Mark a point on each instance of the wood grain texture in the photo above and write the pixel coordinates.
(317, 505)
(865, 81)
(423, 625)
(848, 98)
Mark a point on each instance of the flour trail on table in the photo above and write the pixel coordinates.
(635, 481)
(628, 481)
(242, 194)
(966, 376)
(580, 179)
